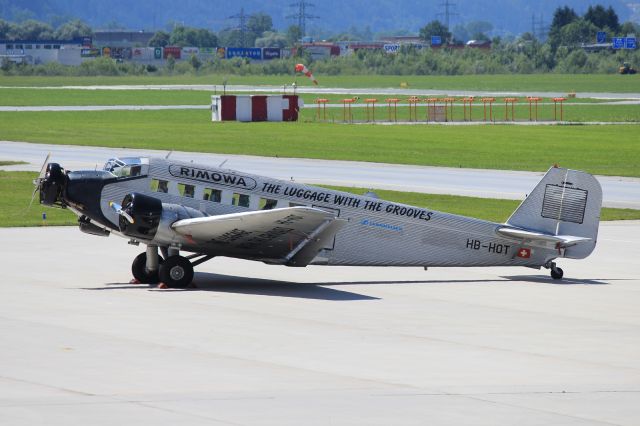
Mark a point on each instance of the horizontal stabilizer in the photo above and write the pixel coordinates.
(533, 237)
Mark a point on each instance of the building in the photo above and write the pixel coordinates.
(66, 52)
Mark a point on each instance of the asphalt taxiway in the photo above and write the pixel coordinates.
(622, 192)
(268, 345)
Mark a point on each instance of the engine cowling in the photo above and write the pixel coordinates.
(52, 185)
(146, 213)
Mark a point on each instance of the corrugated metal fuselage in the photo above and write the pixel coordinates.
(378, 232)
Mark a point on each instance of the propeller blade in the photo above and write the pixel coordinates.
(118, 209)
(38, 180)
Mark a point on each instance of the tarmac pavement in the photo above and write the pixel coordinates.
(268, 345)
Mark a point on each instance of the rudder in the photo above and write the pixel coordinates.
(565, 202)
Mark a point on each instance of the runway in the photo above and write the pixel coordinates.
(619, 192)
(270, 345)
(289, 89)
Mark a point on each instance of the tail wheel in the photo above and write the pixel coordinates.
(140, 272)
(557, 273)
(176, 272)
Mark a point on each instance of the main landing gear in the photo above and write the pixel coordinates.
(556, 273)
(174, 271)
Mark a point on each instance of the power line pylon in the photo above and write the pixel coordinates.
(301, 15)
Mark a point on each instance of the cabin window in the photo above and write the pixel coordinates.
(267, 204)
(28, 46)
(186, 190)
(9, 46)
(158, 185)
(211, 194)
(19, 46)
(241, 200)
(296, 205)
(47, 46)
(56, 46)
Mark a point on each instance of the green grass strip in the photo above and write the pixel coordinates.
(561, 83)
(604, 150)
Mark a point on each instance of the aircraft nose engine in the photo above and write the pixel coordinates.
(52, 184)
(139, 216)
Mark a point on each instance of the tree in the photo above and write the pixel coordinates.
(73, 29)
(561, 17)
(6, 29)
(160, 39)
(602, 18)
(32, 30)
(187, 36)
(435, 28)
(294, 34)
(629, 28)
(579, 31)
(271, 39)
(258, 24)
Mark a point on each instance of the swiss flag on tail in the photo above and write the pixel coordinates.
(524, 253)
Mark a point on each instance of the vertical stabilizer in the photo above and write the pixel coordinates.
(565, 202)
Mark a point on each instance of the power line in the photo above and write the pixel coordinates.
(242, 25)
(302, 15)
(448, 12)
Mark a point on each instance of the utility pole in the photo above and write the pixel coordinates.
(242, 27)
(448, 12)
(301, 16)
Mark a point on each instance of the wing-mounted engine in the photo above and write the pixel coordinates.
(147, 218)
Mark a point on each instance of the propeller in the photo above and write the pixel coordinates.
(38, 181)
(123, 213)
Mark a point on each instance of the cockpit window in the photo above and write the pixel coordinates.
(127, 167)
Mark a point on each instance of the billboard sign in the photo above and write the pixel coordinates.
(270, 53)
(631, 43)
(391, 48)
(436, 40)
(618, 42)
(157, 53)
(244, 52)
(89, 53)
(601, 37)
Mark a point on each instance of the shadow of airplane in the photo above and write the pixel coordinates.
(219, 283)
(204, 281)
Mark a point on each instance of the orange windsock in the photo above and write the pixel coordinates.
(301, 68)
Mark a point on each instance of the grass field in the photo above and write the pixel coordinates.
(11, 163)
(16, 189)
(606, 150)
(562, 83)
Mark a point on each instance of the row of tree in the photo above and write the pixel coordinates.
(567, 28)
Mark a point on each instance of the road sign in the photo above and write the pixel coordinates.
(601, 37)
(436, 40)
(631, 43)
(618, 42)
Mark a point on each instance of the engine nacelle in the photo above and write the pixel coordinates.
(146, 213)
(152, 219)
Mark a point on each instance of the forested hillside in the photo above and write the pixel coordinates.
(334, 16)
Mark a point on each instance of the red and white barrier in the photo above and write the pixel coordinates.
(255, 108)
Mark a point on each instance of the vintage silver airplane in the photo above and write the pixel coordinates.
(176, 206)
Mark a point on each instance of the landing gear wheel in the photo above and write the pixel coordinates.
(176, 272)
(556, 273)
(140, 272)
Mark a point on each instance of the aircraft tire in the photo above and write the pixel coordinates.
(176, 272)
(557, 273)
(139, 269)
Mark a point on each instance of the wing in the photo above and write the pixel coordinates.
(291, 236)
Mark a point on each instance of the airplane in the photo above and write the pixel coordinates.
(176, 207)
